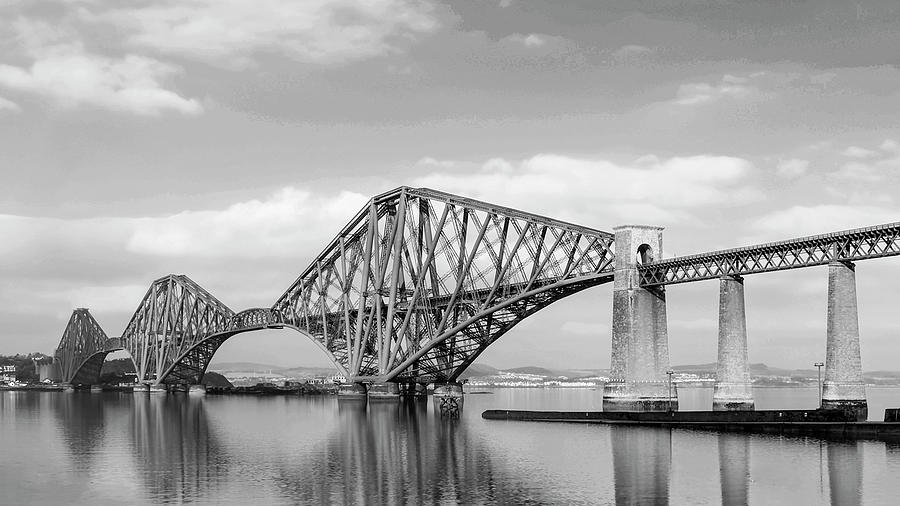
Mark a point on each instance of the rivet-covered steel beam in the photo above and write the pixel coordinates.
(419, 282)
(848, 245)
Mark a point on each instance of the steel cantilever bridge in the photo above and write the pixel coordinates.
(415, 287)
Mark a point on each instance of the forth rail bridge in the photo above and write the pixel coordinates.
(420, 282)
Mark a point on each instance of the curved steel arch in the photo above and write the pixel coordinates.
(191, 365)
(414, 266)
(89, 371)
(83, 348)
(438, 361)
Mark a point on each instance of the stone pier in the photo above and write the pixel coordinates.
(416, 390)
(448, 398)
(640, 348)
(352, 392)
(843, 387)
(197, 390)
(384, 391)
(732, 391)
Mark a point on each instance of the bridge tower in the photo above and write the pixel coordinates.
(640, 343)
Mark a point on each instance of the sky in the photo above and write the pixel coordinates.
(231, 140)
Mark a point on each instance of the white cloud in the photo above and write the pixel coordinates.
(800, 221)
(869, 166)
(734, 87)
(8, 105)
(858, 152)
(603, 193)
(890, 145)
(792, 168)
(73, 78)
(537, 45)
(231, 33)
(290, 222)
(61, 68)
(857, 173)
(630, 52)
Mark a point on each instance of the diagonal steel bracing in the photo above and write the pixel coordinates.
(414, 288)
(848, 245)
(420, 282)
(175, 314)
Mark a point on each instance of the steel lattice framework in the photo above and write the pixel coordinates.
(190, 366)
(173, 317)
(420, 282)
(82, 348)
(848, 246)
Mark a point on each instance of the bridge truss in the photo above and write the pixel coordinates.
(175, 315)
(82, 348)
(844, 246)
(420, 282)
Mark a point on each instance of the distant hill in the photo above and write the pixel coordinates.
(308, 371)
(540, 371)
(244, 366)
(214, 379)
(478, 370)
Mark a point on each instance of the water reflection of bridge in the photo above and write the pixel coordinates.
(388, 453)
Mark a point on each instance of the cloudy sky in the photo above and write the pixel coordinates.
(230, 140)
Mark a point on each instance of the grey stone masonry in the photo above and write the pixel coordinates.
(640, 349)
(843, 386)
(732, 391)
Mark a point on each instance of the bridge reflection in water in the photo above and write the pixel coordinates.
(178, 448)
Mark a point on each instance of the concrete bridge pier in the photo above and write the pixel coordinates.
(732, 390)
(640, 342)
(843, 387)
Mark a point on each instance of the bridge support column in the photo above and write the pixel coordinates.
(197, 390)
(843, 387)
(640, 343)
(384, 391)
(448, 397)
(732, 391)
(413, 390)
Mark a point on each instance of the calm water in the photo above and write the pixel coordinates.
(83, 448)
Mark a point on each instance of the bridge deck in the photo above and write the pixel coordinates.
(847, 246)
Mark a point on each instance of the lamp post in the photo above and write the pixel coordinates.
(669, 373)
(819, 367)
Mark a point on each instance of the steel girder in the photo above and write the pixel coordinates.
(847, 246)
(175, 314)
(420, 282)
(82, 341)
